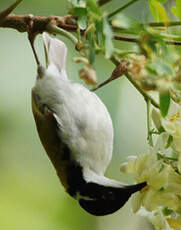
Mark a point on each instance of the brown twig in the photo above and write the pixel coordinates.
(39, 24)
(103, 2)
(119, 71)
(174, 43)
(165, 24)
(125, 39)
(136, 40)
(7, 11)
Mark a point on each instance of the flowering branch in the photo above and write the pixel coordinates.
(152, 67)
(122, 69)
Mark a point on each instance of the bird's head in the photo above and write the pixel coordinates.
(102, 200)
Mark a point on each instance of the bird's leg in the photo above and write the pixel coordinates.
(31, 37)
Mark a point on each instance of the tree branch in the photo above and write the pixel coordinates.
(119, 71)
(7, 11)
(57, 30)
(164, 24)
(126, 39)
(38, 23)
(136, 40)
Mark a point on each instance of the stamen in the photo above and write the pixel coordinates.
(175, 117)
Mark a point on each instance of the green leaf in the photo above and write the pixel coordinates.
(162, 1)
(80, 11)
(77, 3)
(166, 211)
(82, 22)
(107, 31)
(164, 97)
(177, 10)
(156, 119)
(125, 22)
(100, 35)
(169, 142)
(158, 11)
(93, 7)
(92, 45)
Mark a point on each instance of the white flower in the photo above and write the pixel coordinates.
(174, 223)
(163, 183)
(172, 125)
(156, 218)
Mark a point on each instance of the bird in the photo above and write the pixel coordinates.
(76, 131)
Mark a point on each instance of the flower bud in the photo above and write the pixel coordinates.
(88, 74)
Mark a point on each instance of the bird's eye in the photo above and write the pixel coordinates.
(36, 97)
(108, 195)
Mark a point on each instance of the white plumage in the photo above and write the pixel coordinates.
(85, 123)
(76, 131)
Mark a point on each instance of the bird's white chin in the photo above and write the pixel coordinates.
(91, 176)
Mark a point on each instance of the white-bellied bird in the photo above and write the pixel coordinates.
(76, 131)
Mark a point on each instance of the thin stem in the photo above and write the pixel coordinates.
(151, 24)
(149, 137)
(136, 40)
(174, 43)
(123, 30)
(164, 24)
(126, 39)
(122, 53)
(144, 94)
(172, 37)
(121, 8)
(102, 84)
(57, 30)
(7, 11)
(31, 39)
(119, 71)
(103, 2)
(167, 158)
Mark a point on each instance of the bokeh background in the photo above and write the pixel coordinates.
(31, 196)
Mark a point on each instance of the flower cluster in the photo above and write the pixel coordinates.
(160, 200)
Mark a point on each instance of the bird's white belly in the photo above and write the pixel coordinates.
(84, 123)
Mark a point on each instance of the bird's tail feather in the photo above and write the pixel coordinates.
(55, 51)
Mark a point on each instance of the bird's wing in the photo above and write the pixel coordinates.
(86, 126)
(55, 51)
(47, 127)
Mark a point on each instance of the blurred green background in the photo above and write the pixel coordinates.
(31, 196)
